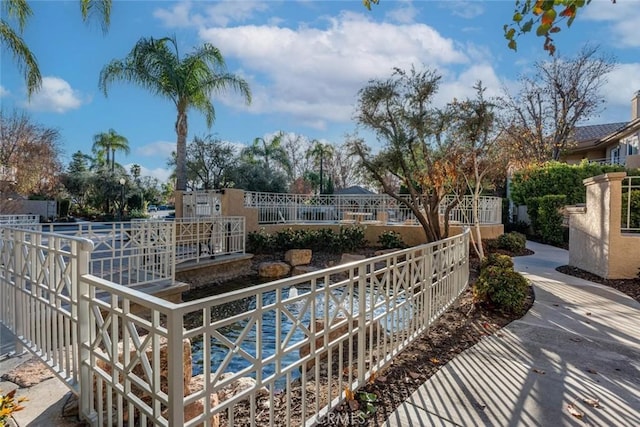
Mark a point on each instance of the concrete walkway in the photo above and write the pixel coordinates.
(580, 340)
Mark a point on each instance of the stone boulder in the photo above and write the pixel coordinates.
(196, 408)
(273, 270)
(347, 258)
(302, 269)
(298, 257)
(239, 385)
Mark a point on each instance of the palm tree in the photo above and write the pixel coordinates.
(319, 152)
(20, 11)
(188, 81)
(272, 150)
(108, 143)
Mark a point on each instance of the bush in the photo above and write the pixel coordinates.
(501, 287)
(497, 260)
(550, 218)
(514, 241)
(391, 240)
(634, 211)
(347, 239)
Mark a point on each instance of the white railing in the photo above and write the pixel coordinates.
(39, 279)
(489, 209)
(19, 219)
(126, 253)
(298, 208)
(302, 340)
(631, 204)
(202, 238)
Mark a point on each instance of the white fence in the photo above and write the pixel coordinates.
(299, 208)
(302, 340)
(19, 219)
(631, 204)
(202, 238)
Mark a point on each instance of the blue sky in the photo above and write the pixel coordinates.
(305, 62)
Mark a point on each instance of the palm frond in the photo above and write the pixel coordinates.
(19, 10)
(99, 7)
(25, 59)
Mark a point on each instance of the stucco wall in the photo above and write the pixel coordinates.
(596, 243)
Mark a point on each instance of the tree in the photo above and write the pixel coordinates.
(107, 143)
(209, 162)
(19, 11)
(320, 152)
(189, 82)
(476, 133)
(345, 170)
(544, 15)
(541, 118)
(417, 148)
(29, 156)
(272, 152)
(77, 181)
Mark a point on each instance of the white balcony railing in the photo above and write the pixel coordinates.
(201, 238)
(19, 219)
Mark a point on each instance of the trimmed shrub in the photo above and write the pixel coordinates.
(634, 211)
(513, 241)
(503, 288)
(533, 203)
(497, 260)
(259, 242)
(391, 240)
(347, 239)
(550, 218)
(351, 238)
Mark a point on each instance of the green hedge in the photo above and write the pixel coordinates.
(557, 178)
(635, 209)
(324, 239)
(550, 218)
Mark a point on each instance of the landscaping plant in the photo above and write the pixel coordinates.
(9, 405)
(501, 286)
(391, 240)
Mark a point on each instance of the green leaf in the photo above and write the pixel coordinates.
(543, 30)
(527, 26)
(510, 34)
(517, 17)
(513, 45)
(368, 397)
(548, 4)
(554, 30)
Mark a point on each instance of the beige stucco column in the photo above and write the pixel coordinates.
(596, 243)
(233, 205)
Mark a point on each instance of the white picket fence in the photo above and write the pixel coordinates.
(302, 339)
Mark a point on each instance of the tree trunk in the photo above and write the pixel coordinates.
(181, 152)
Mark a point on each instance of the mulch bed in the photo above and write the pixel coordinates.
(630, 287)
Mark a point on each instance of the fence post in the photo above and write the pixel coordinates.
(362, 319)
(85, 325)
(175, 393)
(18, 241)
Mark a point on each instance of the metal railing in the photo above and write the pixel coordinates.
(19, 219)
(202, 238)
(127, 253)
(299, 208)
(489, 209)
(630, 221)
(302, 340)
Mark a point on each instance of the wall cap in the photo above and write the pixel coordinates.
(607, 177)
(576, 209)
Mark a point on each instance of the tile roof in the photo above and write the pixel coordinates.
(592, 133)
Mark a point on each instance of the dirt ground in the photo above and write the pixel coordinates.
(630, 287)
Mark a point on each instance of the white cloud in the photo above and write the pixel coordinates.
(157, 149)
(220, 13)
(623, 17)
(3, 91)
(622, 84)
(55, 95)
(314, 74)
(460, 86)
(405, 14)
(161, 174)
(464, 9)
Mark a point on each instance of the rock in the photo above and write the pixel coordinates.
(273, 270)
(386, 251)
(333, 335)
(164, 366)
(302, 269)
(347, 258)
(196, 408)
(239, 385)
(298, 257)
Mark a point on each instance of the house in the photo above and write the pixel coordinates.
(610, 143)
